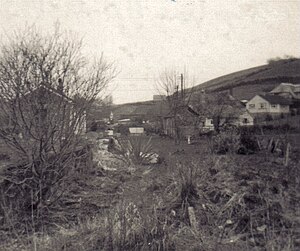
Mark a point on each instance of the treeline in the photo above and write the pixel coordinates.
(280, 60)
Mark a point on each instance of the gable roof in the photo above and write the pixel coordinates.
(286, 88)
(274, 99)
(51, 90)
(191, 110)
(57, 92)
(181, 110)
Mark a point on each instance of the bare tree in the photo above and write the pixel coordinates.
(175, 87)
(218, 106)
(46, 87)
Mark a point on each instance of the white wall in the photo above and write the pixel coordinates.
(284, 108)
(256, 103)
(248, 117)
(136, 130)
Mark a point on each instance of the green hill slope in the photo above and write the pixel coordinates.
(147, 109)
(245, 84)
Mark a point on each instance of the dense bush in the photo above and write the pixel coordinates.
(234, 140)
(151, 129)
(94, 126)
(4, 156)
(268, 129)
(227, 141)
(269, 117)
(248, 142)
(47, 86)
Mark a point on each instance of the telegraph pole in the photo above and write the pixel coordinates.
(181, 82)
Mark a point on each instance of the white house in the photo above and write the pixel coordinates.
(287, 90)
(268, 104)
(208, 124)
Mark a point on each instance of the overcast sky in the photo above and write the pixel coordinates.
(209, 38)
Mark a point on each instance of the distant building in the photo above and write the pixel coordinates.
(43, 105)
(268, 105)
(287, 90)
(208, 124)
(159, 97)
(136, 130)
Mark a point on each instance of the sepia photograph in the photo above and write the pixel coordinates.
(152, 125)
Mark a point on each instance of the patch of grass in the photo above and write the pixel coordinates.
(241, 202)
(136, 149)
(182, 192)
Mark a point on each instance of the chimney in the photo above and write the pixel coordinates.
(202, 96)
(60, 87)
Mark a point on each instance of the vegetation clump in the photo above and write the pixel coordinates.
(46, 88)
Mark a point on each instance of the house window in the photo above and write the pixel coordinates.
(245, 121)
(251, 106)
(274, 106)
(262, 106)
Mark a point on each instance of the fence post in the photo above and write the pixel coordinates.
(269, 147)
(287, 154)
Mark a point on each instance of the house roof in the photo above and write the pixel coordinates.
(232, 111)
(297, 88)
(50, 90)
(286, 88)
(192, 110)
(58, 93)
(274, 99)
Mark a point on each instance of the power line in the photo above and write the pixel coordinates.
(135, 79)
(134, 90)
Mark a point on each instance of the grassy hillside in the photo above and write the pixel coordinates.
(150, 109)
(244, 85)
(247, 83)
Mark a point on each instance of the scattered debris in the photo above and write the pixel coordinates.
(103, 144)
(108, 160)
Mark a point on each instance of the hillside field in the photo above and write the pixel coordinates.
(243, 85)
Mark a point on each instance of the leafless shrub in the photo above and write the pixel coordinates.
(46, 87)
(177, 98)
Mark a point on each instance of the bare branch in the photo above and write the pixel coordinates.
(46, 88)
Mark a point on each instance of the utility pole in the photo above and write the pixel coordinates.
(177, 92)
(181, 82)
